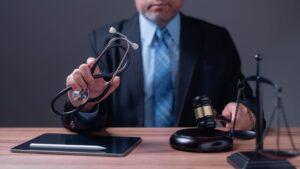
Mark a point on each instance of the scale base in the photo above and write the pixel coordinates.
(252, 159)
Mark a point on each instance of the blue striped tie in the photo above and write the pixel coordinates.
(163, 88)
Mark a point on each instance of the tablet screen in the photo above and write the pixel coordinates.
(69, 143)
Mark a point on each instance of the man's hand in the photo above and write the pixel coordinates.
(245, 119)
(82, 78)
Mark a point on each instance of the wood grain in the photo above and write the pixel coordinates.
(154, 151)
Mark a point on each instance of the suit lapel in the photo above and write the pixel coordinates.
(135, 69)
(190, 43)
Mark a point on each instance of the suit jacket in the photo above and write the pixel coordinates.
(209, 65)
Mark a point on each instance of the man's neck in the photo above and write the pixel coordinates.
(160, 23)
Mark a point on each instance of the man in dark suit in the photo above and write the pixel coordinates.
(180, 57)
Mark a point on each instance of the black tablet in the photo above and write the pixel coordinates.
(79, 145)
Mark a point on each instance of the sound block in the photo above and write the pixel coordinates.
(254, 160)
(195, 140)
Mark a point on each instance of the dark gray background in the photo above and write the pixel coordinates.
(42, 41)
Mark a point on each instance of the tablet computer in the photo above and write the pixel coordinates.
(79, 145)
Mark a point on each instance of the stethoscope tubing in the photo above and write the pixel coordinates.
(120, 68)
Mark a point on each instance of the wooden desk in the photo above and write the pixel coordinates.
(153, 152)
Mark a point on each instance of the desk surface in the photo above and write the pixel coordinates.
(153, 152)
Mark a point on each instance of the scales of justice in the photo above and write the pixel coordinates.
(260, 157)
(206, 138)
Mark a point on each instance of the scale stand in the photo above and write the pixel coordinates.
(260, 158)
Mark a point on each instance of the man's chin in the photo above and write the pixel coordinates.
(158, 17)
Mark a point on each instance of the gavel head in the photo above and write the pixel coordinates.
(204, 113)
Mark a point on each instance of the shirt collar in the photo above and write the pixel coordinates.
(148, 29)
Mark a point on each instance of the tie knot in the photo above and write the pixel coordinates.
(161, 33)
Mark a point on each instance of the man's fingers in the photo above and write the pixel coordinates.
(71, 83)
(232, 108)
(227, 113)
(243, 120)
(86, 74)
(228, 125)
(90, 61)
(115, 85)
(77, 79)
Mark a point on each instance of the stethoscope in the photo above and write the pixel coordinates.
(83, 96)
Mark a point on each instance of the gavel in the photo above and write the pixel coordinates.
(205, 115)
